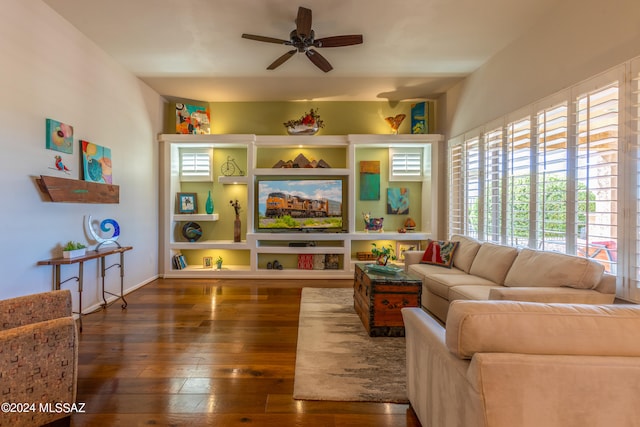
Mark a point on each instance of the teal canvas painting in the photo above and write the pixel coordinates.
(59, 136)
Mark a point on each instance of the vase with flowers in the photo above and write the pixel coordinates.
(308, 124)
(383, 253)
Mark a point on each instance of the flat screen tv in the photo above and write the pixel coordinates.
(306, 204)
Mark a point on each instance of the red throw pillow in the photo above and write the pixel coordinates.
(439, 252)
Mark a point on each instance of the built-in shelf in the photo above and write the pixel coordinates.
(234, 179)
(77, 191)
(196, 217)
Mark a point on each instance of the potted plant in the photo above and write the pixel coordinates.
(219, 262)
(383, 253)
(73, 249)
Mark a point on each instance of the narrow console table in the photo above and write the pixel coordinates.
(101, 254)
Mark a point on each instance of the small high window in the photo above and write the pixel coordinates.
(196, 164)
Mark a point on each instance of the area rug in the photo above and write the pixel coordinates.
(337, 360)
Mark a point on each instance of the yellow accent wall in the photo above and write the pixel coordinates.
(267, 118)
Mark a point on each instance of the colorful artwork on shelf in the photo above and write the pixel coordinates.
(419, 118)
(397, 201)
(370, 180)
(96, 163)
(192, 119)
(106, 227)
(59, 136)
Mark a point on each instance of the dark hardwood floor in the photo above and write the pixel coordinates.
(207, 353)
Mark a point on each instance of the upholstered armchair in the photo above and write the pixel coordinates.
(38, 358)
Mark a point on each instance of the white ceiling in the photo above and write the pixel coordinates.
(193, 49)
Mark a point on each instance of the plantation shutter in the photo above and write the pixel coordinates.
(406, 164)
(456, 187)
(518, 134)
(493, 179)
(195, 165)
(472, 186)
(552, 178)
(597, 175)
(632, 289)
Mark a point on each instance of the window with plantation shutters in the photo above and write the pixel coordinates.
(596, 192)
(196, 165)
(552, 178)
(405, 164)
(473, 187)
(568, 178)
(518, 189)
(493, 182)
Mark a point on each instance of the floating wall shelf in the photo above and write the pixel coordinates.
(76, 191)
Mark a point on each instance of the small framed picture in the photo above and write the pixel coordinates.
(402, 247)
(187, 203)
(207, 262)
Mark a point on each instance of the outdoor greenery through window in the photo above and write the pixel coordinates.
(550, 178)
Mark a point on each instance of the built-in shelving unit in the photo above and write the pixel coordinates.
(255, 254)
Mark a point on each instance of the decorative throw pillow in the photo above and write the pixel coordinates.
(439, 252)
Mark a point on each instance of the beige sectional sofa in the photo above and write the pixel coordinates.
(509, 363)
(487, 271)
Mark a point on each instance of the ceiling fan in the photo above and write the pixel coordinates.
(302, 38)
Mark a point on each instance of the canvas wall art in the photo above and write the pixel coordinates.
(370, 180)
(96, 163)
(59, 136)
(419, 114)
(397, 201)
(193, 119)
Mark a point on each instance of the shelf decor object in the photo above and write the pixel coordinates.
(209, 204)
(237, 225)
(395, 122)
(309, 124)
(192, 231)
(187, 203)
(76, 191)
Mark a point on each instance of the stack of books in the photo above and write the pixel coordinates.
(179, 262)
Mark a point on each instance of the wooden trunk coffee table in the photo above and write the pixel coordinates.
(378, 299)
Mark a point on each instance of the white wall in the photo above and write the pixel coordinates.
(50, 70)
(577, 40)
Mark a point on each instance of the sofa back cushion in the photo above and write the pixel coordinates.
(538, 328)
(540, 268)
(492, 262)
(466, 251)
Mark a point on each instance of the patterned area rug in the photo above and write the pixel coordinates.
(336, 358)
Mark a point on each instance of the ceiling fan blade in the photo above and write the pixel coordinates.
(303, 22)
(319, 60)
(264, 39)
(278, 62)
(338, 41)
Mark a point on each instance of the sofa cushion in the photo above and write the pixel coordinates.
(471, 292)
(540, 268)
(536, 328)
(466, 251)
(440, 284)
(422, 270)
(439, 252)
(493, 262)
